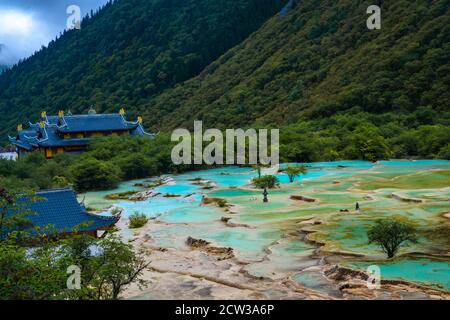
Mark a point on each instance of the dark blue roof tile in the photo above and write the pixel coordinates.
(55, 127)
(95, 122)
(60, 210)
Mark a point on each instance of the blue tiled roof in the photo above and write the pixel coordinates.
(95, 122)
(52, 139)
(23, 139)
(55, 127)
(60, 210)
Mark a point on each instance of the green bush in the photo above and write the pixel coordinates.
(137, 220)
(268, 181)
(92, 174)
(445, 152)
(221, 203)
(136, 166)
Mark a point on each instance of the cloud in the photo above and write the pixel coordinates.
(15, 22)
(21, 33)
(27, 25)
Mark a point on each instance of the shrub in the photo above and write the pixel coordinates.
(445, 152)
(268, 181)
(221, 203)
(137, 220)
(92, 174)
(115, 211)
(136, 166)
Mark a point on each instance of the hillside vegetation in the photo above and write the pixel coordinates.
(125, 54)
(319, 60)
(334, 88)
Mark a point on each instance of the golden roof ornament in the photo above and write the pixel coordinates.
(122, 111)
(42, 124)
(60, 114)
(19, 127)
(92, 110)
(140, 120)
(44, 114)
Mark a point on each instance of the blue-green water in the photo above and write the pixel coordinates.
(268, 223)
(424, 271)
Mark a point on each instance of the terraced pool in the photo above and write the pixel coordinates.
(271, 236)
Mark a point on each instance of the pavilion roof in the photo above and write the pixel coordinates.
(92, 122)
(50, 135)
(60, 210)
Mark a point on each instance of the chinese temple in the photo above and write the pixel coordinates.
(67, 133)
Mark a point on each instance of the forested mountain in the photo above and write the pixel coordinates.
(310, 67)
(127, 53)
(321, 59)
(336, 89)
(3, 65)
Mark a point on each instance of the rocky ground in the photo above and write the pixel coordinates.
(200, 270)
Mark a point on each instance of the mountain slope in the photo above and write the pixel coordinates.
(335, 89)
(125, 54)
(317, 61)
(3, 58)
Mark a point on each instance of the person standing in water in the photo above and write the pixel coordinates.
(357, 206)
(265, 193)
(201, 201)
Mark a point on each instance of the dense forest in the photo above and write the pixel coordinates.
(112, 160)
(336, 89)
(125, 54)
(320, 60)
(326, 80)
(107, 162)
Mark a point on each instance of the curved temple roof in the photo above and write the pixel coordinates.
(55, 127)
(60, 210)
(92, 122)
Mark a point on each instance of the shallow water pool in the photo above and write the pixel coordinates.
(335, 185)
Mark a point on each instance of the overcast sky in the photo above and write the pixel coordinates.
(26, 25)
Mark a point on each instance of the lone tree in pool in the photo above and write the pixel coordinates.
(390, 234)
(295, 171)
(268, 181)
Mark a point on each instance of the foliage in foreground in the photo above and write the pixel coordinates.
(391, 234)
(107, 265)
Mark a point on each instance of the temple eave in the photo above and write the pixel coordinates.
(73, 133)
